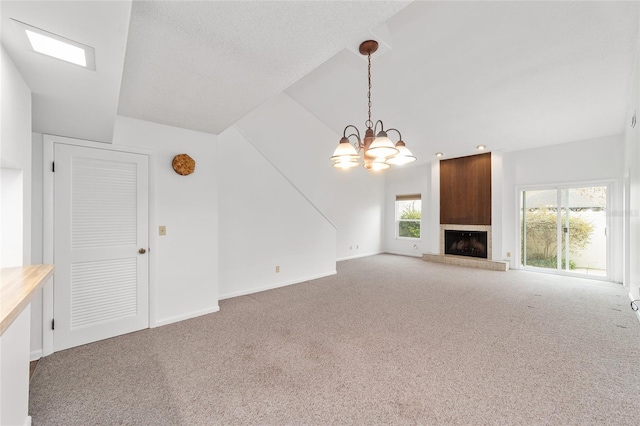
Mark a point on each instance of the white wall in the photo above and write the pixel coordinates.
(265, 222)
(497, 183)
(402, 181)
(299, 145)
(590, 160)
(433, 211)
(15, 197)
(284, 168)
(15, 161)
(11, 216)
(184, 263)
(632, 190)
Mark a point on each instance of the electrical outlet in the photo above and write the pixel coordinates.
(508, 254)
(278, 268)
(350, 247)
(162, 230)
(357, 247)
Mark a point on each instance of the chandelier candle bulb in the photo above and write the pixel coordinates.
(376, 165)
(379, 152)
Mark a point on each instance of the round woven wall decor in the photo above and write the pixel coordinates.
(183, 164)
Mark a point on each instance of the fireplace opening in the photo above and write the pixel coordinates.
(466, 243)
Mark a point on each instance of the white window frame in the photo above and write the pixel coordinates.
(611, 225)
(397, 221)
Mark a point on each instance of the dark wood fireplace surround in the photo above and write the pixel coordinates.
(465, 190)
(465, 199)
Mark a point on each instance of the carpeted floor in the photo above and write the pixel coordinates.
(389, 340)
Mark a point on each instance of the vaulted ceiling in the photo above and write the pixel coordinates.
(449, 75)
(508, 75)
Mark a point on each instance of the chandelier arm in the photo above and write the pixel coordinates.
(397, 131)
(344, 132)
(358, 143)
(376, 127)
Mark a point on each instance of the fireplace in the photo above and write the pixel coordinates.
(465, 243)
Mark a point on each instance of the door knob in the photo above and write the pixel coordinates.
(142, 251)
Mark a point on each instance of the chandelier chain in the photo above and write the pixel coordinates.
(369, 123)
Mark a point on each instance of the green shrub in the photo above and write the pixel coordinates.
(542, 239)
(410, 229)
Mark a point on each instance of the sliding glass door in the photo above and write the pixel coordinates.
(539, 225)
(565, 229)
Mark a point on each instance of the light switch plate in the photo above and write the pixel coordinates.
(162, 230)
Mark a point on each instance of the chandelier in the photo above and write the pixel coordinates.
(379, 153)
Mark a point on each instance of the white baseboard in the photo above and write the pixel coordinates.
(186, 316)
(35, 355)
(357, 256)
(272, 286)
(397, 253)
(638, 311)
(27, 421)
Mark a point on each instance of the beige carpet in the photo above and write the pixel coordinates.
(389, 340)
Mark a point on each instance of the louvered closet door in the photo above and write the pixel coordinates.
(101, 215)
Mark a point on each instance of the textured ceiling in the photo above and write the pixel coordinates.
(449, 75)
(510, 75)
(204, 65)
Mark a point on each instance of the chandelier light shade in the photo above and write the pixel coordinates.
(403, 156)
(381, 147)
(345, 155)
(379, 152)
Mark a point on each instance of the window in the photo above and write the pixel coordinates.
(408, 216)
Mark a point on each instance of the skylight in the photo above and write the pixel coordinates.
(57, 49)
(56, 46)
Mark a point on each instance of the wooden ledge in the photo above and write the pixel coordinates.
(17, 287)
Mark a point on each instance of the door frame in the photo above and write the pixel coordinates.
(612, 225)
(48, 226)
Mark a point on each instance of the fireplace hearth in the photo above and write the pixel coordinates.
(466, 243)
